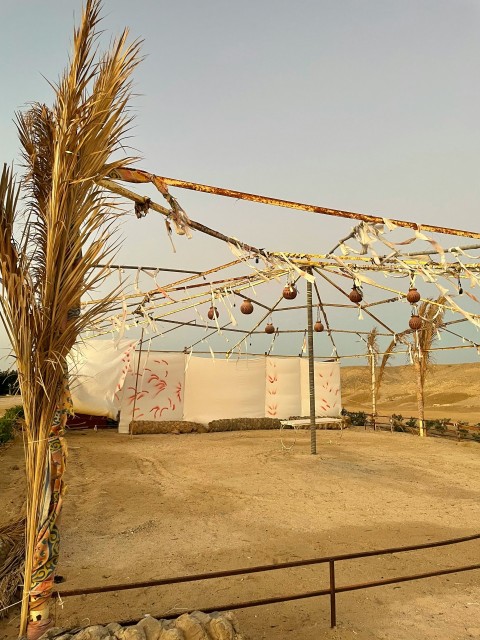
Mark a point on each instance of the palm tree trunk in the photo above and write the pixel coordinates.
(311, 370)
(40, 571)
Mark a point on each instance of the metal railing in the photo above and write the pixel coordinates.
(331, 591)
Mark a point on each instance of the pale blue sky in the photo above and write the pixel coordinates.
(366, 105)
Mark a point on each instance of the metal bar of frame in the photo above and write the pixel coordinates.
(266, 567)
(290, 204)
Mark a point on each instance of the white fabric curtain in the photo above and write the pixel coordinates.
(108, 377)
(98, 369)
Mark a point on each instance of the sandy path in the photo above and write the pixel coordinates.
(156, 506)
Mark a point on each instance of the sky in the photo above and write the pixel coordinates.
(368, 106)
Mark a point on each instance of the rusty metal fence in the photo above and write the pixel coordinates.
(331, 591)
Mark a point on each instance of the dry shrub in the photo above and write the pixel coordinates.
(12, 557)
(244, 424)
(138, 427)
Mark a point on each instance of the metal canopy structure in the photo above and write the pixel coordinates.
(206, 301)
(451, 269)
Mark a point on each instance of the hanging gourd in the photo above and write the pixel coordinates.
(413, 296)
(290, 292)
(269, 328)
(415, 322)
(355, 295)
(318, 327)
(246, 307)
(212, 313)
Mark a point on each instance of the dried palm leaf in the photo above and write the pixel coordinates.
(420, 344)
(12, 555)
(387, 354)
(69, 227)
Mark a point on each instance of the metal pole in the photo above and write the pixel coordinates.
(241, 195)
(136, 385)
(311, 369)
(333, 603)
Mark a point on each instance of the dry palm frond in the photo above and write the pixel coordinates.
(387, 354)
(432, 312)
(69, 225)
(12, 555)
(372, 344)
(432, 315)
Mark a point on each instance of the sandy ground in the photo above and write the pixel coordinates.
(164, 505)
(8, 401)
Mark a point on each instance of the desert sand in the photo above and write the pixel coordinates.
(451, 391)
(144, 507)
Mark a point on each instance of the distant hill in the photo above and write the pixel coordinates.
(452, 391)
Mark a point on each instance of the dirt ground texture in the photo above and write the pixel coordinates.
(152, 506)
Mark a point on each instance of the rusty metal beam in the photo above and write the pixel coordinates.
(268, 567)
(290, 204)
(131, 195)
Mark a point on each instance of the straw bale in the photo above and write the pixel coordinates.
(138, 427)
(244, 424)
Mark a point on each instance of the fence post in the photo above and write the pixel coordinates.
(333, 604)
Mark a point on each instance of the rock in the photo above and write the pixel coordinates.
(202, 618)
(55, 632)
(191, 627)
(220, 628)
(131, 633)
(231, 617)
(94, 632)
(172, 634)
(113, 627)
(151, 627)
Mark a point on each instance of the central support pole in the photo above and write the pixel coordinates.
(137, 375)
(311, 369)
